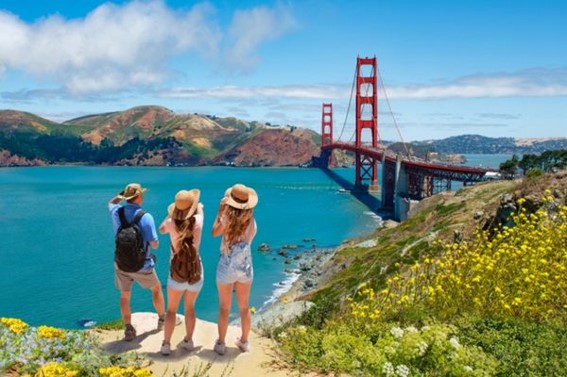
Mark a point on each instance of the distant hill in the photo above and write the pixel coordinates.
(151, 135)
(476, 144)
(154, 135)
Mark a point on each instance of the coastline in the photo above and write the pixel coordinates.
(289, 303)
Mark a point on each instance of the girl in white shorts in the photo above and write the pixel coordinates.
(184, 223)
(235, 222)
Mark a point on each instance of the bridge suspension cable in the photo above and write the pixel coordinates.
(348, 108)
(391, 112)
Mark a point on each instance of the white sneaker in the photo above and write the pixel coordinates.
(165, 349)
(187, 345)
(219, 347)
(243, 346)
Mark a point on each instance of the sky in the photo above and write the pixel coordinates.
(496, 68)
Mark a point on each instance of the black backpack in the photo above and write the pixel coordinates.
(130, 251)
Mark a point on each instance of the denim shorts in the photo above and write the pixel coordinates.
(236, 266)
(186, 286)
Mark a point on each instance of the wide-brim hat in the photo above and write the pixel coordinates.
(185, 204)
(241, 197)
(131, 191)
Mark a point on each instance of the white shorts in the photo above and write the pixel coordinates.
(186, 286)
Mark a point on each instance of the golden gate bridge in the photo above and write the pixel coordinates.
(404, 177)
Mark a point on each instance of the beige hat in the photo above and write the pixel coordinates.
(131, 191)
(241, 197)
(185, 204)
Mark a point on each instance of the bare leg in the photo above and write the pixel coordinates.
(243, 300)
(190, 318)
(173, 297)
(125, 307)
(157, 298)
(225, 298)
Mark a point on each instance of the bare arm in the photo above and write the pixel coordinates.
(162, 229)
(218, 226)
(114, 200)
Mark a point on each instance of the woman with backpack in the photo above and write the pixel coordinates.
(184, 224)
(235, 222)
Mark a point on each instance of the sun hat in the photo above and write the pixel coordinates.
(241, 197)
(131, 191)
(185, 204)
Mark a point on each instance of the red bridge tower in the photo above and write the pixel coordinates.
(327, 133)
(366, 118)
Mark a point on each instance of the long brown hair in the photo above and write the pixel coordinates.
(238, 222)
(185, 230)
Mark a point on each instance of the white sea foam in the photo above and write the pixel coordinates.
(375, 217)
(281, 288)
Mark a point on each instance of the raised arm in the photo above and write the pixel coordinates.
(219, 226)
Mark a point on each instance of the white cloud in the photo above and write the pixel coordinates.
(112, 47)
(250, 28)
(534, 82)
(320, 92)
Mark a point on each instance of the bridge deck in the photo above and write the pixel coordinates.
(412, 164)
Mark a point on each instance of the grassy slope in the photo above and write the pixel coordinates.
(439, 216)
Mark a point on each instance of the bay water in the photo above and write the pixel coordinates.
(56, 258)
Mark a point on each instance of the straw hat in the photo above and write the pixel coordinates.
(241, 197)
(131, 191)
(185, 204)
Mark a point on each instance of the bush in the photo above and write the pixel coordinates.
(522, 348)
(430, 351)
(50, 352)
(517, 272)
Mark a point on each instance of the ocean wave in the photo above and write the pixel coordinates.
(281, 288)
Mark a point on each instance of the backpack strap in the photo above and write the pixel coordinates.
(135, 220)
(122, 217)
(138, 217)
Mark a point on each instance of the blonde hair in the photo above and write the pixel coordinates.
(238, 222)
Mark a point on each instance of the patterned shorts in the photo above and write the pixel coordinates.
(236, 266)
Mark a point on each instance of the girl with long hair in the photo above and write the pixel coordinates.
(184, 223)
(235, 222)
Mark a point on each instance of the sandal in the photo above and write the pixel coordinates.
(129, 333)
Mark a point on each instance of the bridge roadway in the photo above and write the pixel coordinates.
(378, 155)
(406, 179)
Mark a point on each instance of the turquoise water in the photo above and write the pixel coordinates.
(57, 241)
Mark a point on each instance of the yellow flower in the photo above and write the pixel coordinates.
(15, 325)
(50, 332)
(53, 369)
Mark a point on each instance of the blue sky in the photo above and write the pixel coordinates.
(495, 68)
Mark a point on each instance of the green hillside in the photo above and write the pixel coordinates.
(472, 284)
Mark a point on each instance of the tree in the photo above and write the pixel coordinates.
(509, 168)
